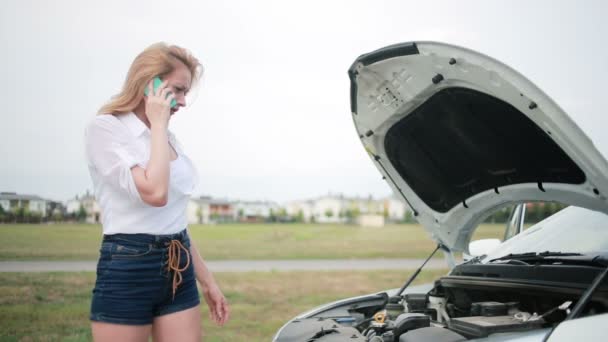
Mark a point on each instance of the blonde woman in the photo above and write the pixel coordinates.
(148, 267)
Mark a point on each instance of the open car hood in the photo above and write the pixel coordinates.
(457, 135)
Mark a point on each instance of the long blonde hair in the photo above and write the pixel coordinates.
(156, 60)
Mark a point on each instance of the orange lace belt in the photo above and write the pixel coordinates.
(173, 251)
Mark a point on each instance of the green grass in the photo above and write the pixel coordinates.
(55, 306)
(236, 241)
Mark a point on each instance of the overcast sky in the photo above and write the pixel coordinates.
(271, 119)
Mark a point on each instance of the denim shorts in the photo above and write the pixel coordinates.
(134, 283)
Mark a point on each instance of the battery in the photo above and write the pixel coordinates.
(481, 326)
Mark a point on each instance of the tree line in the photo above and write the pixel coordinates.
(24, 215)
(535, 212)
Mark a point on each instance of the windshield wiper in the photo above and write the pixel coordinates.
(533, 256)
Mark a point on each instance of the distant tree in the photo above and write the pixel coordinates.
(81, 215)
(539, 211)
(199, 214)
(329, 213)
(57, 216)
(555, 207)
(272, 216)
(558, 207)
(502, 215)
(27, 214)
(33, 217)
(282, 214)
(534, 212)
(299, 216)
(549, 209)
(408, 217)
(348, 214)
(19, 214)
(214, 217)
(8, 216)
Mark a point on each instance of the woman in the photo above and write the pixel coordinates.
(147, 270)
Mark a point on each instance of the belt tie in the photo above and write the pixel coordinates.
(173, 262)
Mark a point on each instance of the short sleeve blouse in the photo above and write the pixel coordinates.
(114, 145)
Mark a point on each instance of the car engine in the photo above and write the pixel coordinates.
(474, 301)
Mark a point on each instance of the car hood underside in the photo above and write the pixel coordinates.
(457, 135)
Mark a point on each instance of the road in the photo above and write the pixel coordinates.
(242, 265)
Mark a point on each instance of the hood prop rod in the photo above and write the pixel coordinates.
(580, 305)
(409, 281)
(582, 302)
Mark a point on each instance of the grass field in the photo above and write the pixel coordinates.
(236, 241)
(55, 306)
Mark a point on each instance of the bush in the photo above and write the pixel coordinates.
(81, 215)
(57, 216)
(33, 217)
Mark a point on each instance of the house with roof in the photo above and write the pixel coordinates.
(337, 208)
(395, 210)
(300, 211)
(11, 201)
(88, 202)
(206, 210)
(255, 211)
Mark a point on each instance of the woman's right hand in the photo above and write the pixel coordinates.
(158, 104)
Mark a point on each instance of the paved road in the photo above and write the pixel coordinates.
(241, 265)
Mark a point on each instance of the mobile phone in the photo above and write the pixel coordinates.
(157, 83)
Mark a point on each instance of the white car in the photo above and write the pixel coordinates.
(458, 135)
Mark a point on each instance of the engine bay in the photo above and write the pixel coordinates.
(474, 301)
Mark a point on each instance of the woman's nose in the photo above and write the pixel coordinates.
(181, 100)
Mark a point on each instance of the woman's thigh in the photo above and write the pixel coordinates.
(183, 325)
(109, 332)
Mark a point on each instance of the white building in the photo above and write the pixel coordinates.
(300, 210)
(329, 209)
(395, 209)
(88, 202)
(198, 211)
(72, 206)
(206, 210)
(341, 209)
(11, 201)
(255, 211)
(364, 205)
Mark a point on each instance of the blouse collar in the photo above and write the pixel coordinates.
(137, 127)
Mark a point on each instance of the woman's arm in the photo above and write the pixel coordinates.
(218, 306)
(153, 182)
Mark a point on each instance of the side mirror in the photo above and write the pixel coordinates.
(480, 247)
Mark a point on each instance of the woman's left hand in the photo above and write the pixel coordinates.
(218, 306)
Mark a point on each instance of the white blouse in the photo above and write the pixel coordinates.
(115, 144)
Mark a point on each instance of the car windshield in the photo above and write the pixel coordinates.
(572, 230)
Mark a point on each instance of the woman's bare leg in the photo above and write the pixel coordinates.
(109, 332)
(178, 326)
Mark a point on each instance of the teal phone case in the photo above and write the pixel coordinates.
(157, 83)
